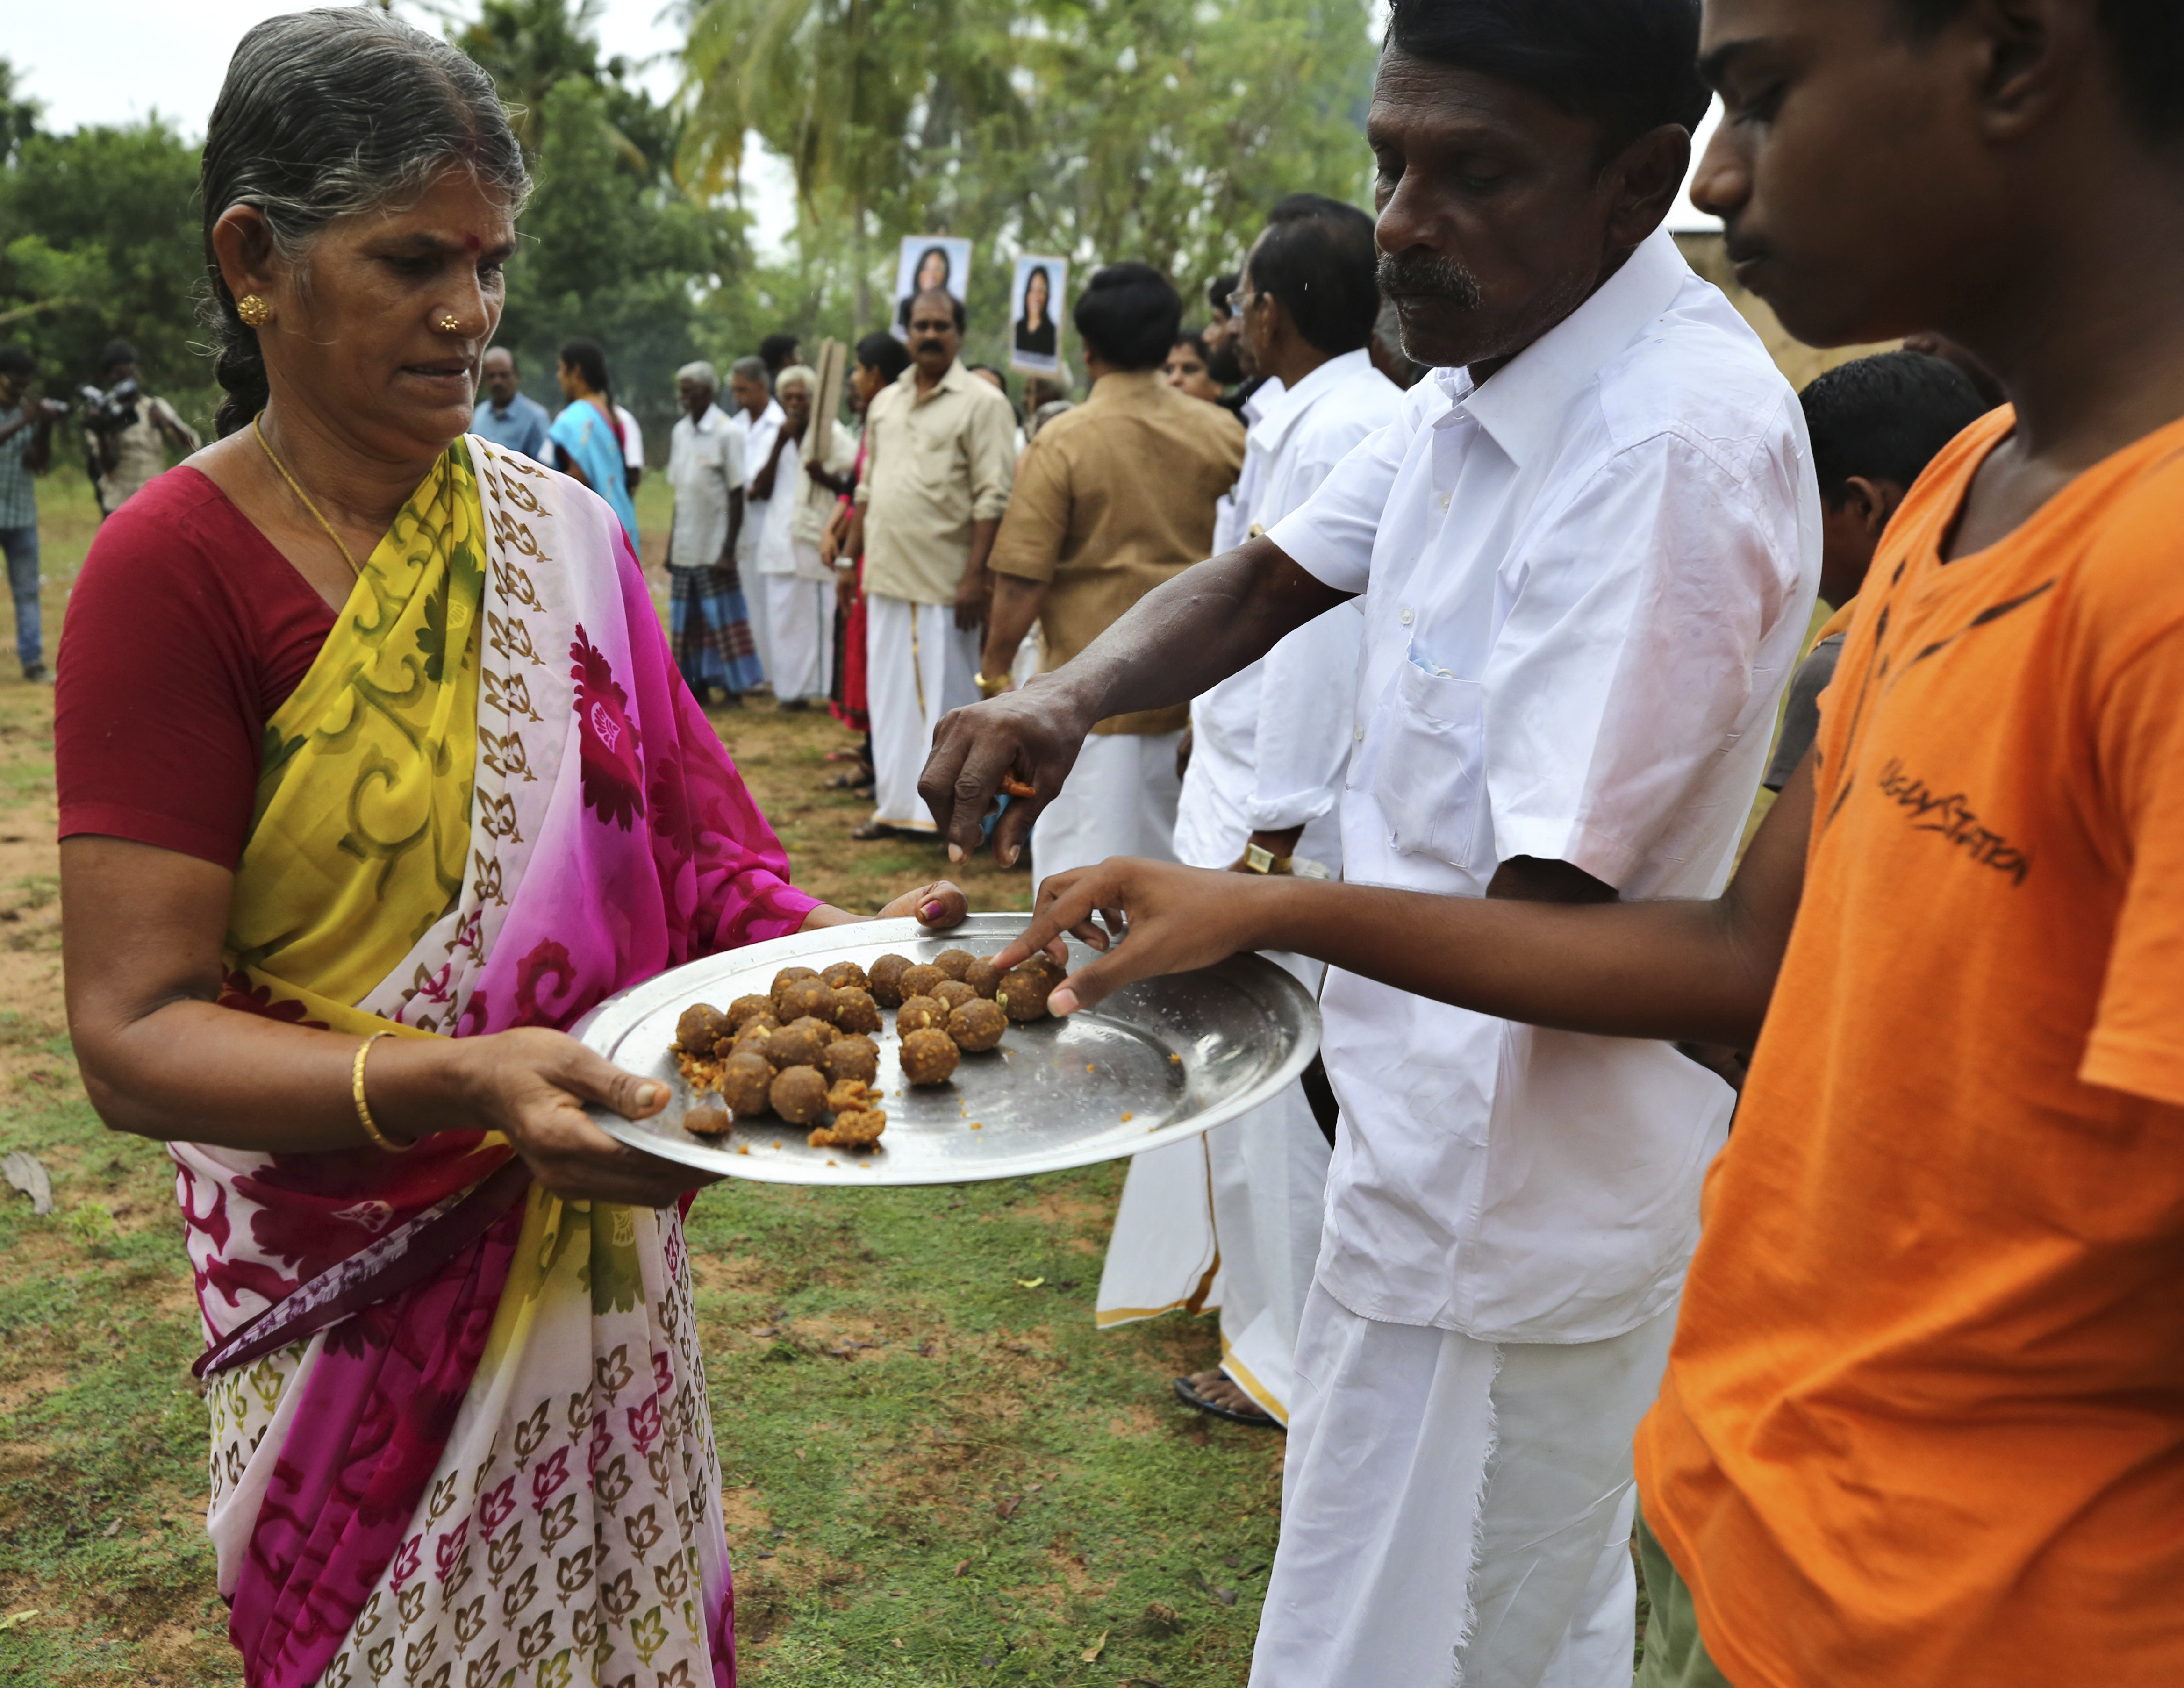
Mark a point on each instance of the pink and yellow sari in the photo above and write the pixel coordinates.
(460, 1433)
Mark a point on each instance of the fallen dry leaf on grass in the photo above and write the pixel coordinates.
(1091, 1654)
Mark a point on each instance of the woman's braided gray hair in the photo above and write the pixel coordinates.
(327, 113)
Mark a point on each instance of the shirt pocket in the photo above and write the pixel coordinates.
(1432, 764)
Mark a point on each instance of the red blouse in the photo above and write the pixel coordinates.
(186, 631)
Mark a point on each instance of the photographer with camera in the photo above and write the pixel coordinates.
(26, 449)
(126, 431)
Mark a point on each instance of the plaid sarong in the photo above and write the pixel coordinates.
(709, 626)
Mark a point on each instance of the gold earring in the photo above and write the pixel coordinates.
(254, 311)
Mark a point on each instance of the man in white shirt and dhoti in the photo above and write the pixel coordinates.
(1585, 554)
(939, 459)
(1262, 794)
(757, 419)
(808, 471)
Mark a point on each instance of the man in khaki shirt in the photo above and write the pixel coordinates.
(940, 453)
(1113, 498)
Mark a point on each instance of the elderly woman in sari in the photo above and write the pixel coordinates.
(375, 775)
(589, 446)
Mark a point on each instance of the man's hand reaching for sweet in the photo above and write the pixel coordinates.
(1154, 918)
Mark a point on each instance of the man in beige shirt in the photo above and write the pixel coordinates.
(939, 454)
(1113, 498)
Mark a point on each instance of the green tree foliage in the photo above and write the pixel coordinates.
(99, 240)
(613, 250)
(612, 255)
(1098, 129)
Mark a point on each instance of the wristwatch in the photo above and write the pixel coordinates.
(992, 685)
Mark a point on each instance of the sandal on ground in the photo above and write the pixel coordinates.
(872, 830)
(1190, 1396)
(860, 780)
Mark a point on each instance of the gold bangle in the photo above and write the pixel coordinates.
(992, 685)
(364, 1118)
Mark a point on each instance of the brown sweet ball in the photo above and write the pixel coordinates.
(849, 1096)
(920, 980)
(794, 1046)
(799, 1095)
(885, 982)
(790, 976)
(1023, 994)
(952, 994)
(983, 977)
(1047, 966)
(976, 1025)
(799, 997)
(745, 1009)
(707, 1116)
(856, 1130)
(918, 1014)
(747, 1083)
(701, 1026)
(954, 962)
(754, 1038)
(856, 1057)
(846, 976)
(822, 1029)
(928, 1057)
(855, 1011)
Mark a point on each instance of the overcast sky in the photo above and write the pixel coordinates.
(111, 61)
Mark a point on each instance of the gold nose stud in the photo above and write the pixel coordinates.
(449, 324)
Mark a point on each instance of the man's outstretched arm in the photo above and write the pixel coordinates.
(1701, 972)
(1175, 642)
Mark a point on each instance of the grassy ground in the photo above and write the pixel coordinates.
(938, 1473)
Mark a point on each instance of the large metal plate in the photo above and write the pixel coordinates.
(1158, 1061)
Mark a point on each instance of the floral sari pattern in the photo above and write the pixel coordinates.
(490, 803)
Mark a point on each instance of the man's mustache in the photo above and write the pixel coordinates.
(932, 345)
(1420, 274)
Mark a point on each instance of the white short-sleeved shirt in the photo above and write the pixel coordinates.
(704, 465)
(1583, 587)
(632, 439)
(1286, 719)
(756, 435)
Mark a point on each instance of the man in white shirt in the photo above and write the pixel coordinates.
(707, 621)
(1261, 794)
(632, 448)
(808, 469)
(1585, 553)
(756, 420)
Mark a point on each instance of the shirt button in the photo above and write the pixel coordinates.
(1358, 734)
(1406, 617)
(1443, 502)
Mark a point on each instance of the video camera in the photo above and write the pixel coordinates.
(109, 413)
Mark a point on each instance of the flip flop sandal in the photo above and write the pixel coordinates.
(872, 830)
(852, 782)
(1190, 1397)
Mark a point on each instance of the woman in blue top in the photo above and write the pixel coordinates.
(585, 435)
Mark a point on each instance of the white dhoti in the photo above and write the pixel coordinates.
(799, 619)
(1456, 1513)
(753, 589)
(918, 665)
(1118, 800)
(1248, 1196)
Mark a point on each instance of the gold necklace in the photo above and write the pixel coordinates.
(304, 496)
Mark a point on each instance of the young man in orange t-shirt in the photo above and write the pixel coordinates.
(1924, 1418)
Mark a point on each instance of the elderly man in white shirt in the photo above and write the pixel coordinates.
(709, 624)
(806, 472)
(1262, 794)
(757, 419)
(1585, 553)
